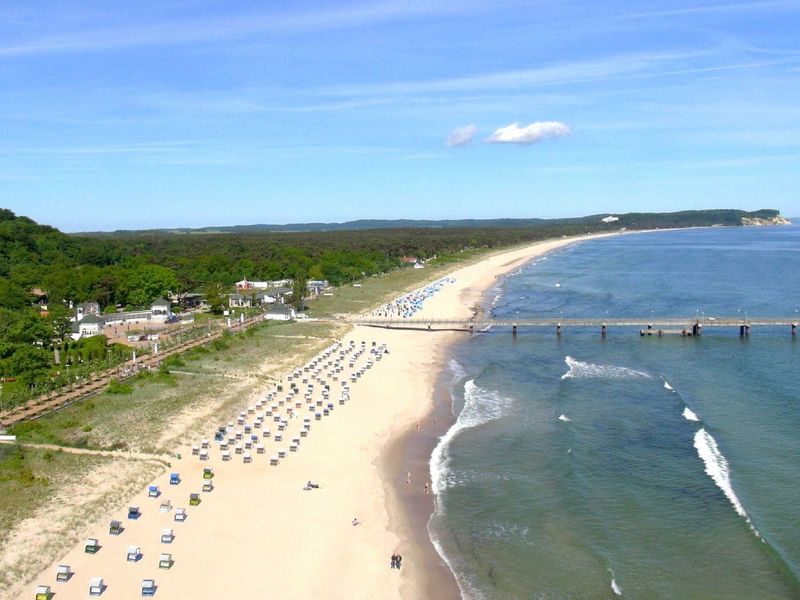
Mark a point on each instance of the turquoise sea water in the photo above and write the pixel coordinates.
(582, 467)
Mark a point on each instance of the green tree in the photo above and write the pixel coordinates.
(215, 298)
(299, 287)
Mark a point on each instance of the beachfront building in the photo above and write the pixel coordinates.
(161, 310)
(88, 326)
(280, 312)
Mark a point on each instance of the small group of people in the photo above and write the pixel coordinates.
(396, 560)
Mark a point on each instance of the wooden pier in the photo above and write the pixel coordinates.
(646, 327)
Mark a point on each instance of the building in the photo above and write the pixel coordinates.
(317, 286)
(161, 310)
(85, 309)
(88, 326)
(280, 312)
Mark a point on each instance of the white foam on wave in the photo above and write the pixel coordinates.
(614, 585)
(689, 414)
(480, 406)
(564, 418)
(615, 588)
(584, 370)
(667, 386)
(718, 469)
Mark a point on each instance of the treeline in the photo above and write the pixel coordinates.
(131, 270)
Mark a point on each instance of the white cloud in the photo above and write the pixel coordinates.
(529, 134)
(461, 136)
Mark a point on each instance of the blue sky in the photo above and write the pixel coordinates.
(193, 113)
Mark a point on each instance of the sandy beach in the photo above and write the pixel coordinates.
(259, 533)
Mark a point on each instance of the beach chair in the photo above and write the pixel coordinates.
(165, 561)
(248, 429)
(203, 454)
(174, 478)
(318, 416)
(167, 535)
(43, 592)
(115, 528)
(293, 447)
(239, 449)
(153, 491)
(91, 546)
(226, 455)
(208, 486)
(133, 513)
(304, 432)
(165, 507)
(273, 460)
(326, 412)
(260, 449)
(208, 473)
(134, 554)
(96, 586)
(148, 587)
(195, 449)
(237, 434)
(194, 499)
(247, 458)
(248, 445)
(180, 515)
(63, 573)
(223, 446)
(281, 453)
(204, 444)
(278, 437)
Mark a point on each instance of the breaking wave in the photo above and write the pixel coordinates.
(718, 469)
(480, 406)
(667, 386)
(564, 418)
(689, 414)
(583, 370)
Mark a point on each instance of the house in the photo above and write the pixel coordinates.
(280, 312)
(161, 310)
(88, 326)
(86, 308)
(609, 219)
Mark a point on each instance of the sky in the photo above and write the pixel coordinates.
(195, 113)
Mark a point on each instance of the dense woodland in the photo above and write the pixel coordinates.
(132, 269)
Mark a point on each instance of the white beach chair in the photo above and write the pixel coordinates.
(167, 535)
(281, 453)
(91, 546)
(96, 586)
(165, 561)
(180, 515)
(226, 455)
(273, 460)
(203, 454)
(63, 573)
(259, 448)
(247, 458)
(134, 554)
(165, 507)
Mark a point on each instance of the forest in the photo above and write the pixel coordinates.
(131, 269)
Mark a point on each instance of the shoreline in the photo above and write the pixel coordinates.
(411, 510)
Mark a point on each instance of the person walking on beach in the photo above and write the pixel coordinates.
(408, 477)
(397, 561)
(427, 489)
(394, 561)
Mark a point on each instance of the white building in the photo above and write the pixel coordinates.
(280, 312)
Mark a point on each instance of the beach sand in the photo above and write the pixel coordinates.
(258, 534)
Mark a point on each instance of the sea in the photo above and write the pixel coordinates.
(627, 466)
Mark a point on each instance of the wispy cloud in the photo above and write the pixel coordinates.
(461, 136)
(713, 8)
(529, 134)
(238, 27)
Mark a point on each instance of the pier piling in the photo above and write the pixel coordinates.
(794, 328)
(558, 328)
(603, 330)
(513, 329)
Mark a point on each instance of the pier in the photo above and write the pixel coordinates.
(646, 326)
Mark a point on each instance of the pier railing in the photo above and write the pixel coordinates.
(647, 326)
